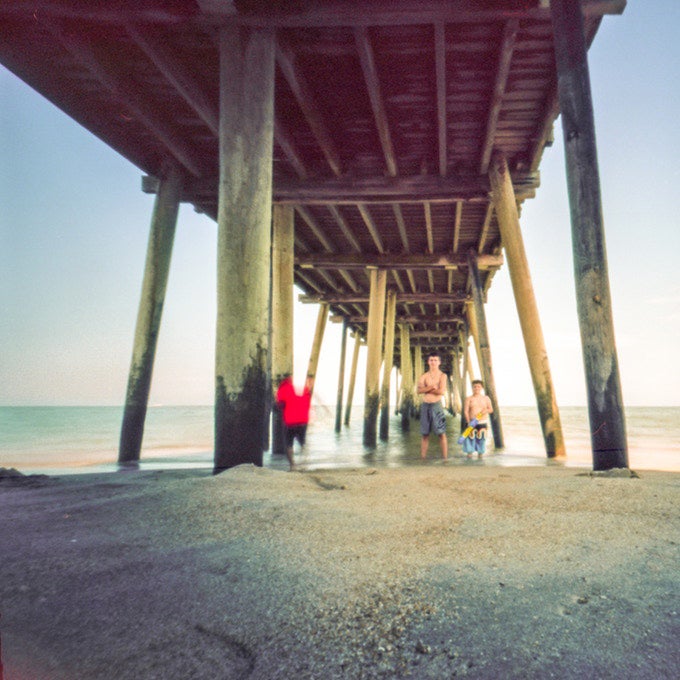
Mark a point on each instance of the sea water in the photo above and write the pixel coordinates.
(68, 440)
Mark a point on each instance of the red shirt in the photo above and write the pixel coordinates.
(295, 406)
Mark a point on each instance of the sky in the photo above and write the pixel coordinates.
(74, 225)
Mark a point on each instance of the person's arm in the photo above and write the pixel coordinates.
(422, 388)
(489, 407)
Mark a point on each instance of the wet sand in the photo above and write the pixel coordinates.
(437, 571)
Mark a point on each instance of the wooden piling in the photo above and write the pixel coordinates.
(465, 344)
(505, 205)
(352, 377)
(246, 127)
(603, 385)
(484, 348)
(390, 315)
(374, 336)
(283, 257)
(158, 256)
(341, 377)
(406, 377)
(313, 363)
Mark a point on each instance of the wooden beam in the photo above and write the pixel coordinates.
(176, 74)
(393, 261)
(371, 226)
(344, 227)
(372, 79)
(401, 225)
(413, 189)
(158, 12)
(135, 102)
(394, 13)
(428, 227)
(409, 298)
(485, 228)
(510, 31)
(454, 320)
(285, 58)
(544, 134)
(440, 72)
(284, 140)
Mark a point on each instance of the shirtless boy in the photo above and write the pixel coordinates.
(477, 406)
(432, 386)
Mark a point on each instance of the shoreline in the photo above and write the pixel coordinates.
(422, 572)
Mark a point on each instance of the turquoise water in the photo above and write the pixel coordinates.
(60, 440)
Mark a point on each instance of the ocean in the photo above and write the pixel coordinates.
(73, 440)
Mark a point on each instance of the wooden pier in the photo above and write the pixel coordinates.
(374, 154)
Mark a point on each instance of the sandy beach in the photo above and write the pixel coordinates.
(422, 572)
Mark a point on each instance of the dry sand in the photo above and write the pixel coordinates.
(424, 572)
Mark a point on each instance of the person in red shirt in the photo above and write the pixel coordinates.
(295, 410)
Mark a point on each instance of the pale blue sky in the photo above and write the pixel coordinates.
(74, 225)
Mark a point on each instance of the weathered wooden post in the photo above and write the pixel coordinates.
(603, 385)
(283, 258)
(243, 245)
(505, 205)
(341, 376)
(406, 377)
(374, 336)
(313, 364)
(464, 335)
(158, 255)
(352, 377)
(484, 348)
(390, 315)
(417, 372)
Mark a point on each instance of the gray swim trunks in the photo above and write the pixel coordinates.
(432, 418)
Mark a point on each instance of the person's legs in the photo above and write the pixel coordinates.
(290, 440)
(480, 441)
(424, 441)
(444, 445)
